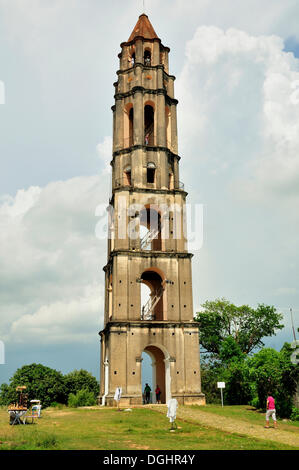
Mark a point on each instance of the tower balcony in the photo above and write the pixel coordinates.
(149, 141)
(128, 183)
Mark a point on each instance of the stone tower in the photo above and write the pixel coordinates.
(147, 246)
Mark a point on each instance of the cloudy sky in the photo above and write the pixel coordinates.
(237, 69)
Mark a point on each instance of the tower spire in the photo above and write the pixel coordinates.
(143, 28)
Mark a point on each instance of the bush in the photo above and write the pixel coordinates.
(238, 385)
(58, 406)
(48, 385)
(79, 380)
(234, 371)
(7, 395)
(81, 398)
(254, 402)
(43, 383)
(210, 374)
(295, 414)
(274, 374)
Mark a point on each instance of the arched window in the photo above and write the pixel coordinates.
(150, 230)
(131, 60)
(149, 124)
(110, 297)
(170, 184)
(168, 126)
(127, 176)
(131, 126)
(150, 173)
(128, 125)
(147, 57)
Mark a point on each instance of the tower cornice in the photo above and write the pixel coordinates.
(148, 191)
(154, 148)
(191, 324)
(140, 38)
(150, 91)
(151, 254)
(146, 67)
(146, 255)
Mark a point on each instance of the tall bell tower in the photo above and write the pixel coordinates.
(147, 245)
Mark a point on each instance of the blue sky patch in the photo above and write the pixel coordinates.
(291, 44)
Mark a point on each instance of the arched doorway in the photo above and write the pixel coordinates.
(160, 371)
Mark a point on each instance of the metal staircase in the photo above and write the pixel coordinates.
(148, 238)
(148, 308)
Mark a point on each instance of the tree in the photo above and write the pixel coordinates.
(42, 383)
(239, 387)
(7, 395)
(273, 373)
(230, 351)
(231, 367)
(235, 373)
(81, 379)
(246, 326)
(210, 373)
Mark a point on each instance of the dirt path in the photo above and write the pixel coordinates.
(233, 425)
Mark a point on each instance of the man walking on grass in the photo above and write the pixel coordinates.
(270, 412)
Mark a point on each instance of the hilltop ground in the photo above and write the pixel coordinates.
(147, 428)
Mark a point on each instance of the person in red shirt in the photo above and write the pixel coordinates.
(270, 411)
(158, 394)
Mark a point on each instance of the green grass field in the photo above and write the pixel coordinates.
(248, 414)
(142, 428)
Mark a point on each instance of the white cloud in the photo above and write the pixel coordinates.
(237, 95)
(64, 321)
(238, 138)
(51, 284)
(104, 150)
(18, 206)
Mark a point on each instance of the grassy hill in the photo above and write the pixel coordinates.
(147, 428)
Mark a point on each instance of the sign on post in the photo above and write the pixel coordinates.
(295, 354)
(221, 385)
